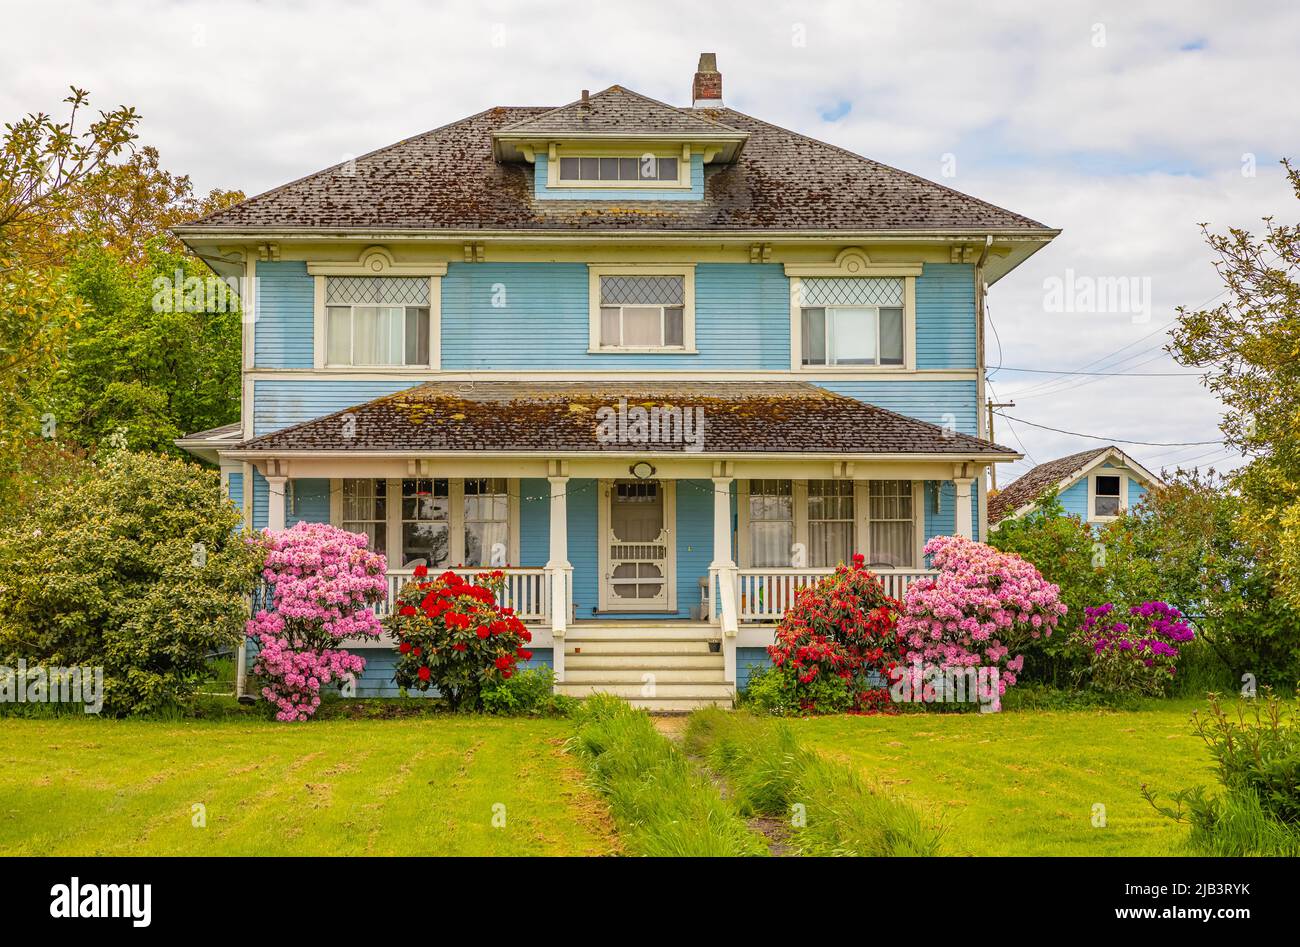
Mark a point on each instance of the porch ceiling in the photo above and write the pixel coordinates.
(779, 418)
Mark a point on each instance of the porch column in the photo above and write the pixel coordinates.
(963, 511)
(723, 567)
(276, 489)
(559, 570)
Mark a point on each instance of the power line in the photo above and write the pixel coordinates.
(1118, 440)
(1058, 371)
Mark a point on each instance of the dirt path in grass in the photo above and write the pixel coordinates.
(775, 832)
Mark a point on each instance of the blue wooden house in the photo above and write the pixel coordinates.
(666, 363)
(1097, 486)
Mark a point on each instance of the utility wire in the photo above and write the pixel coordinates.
(1118, 440)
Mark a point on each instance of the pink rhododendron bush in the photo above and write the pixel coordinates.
(981, 607)
(322, 581)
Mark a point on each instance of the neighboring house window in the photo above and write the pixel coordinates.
(642, 312)
(853, 321)
(891, 518)
(771, 522)
(376, 320)
(637, 170)
(830, 522)
(365, 510)
(1106, 499)
(426, 519)
(487, 519)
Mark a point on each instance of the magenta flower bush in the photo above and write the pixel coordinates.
(322, 581)
(1137, 654)
(983, 605)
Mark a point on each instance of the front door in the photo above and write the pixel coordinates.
(638, 548)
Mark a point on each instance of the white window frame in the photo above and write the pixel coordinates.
(456, 520)
(352, 327)
(377, 261)
(556, 152)
(686, 271)
(1122, 477)
(828, 329)
(861, 516)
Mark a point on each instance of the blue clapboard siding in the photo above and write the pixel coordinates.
(311, 502)
(534, 522)
(694, 540)
(938, 402)
(235, 489)
(534, 316)
(748, 661)
(945, 316)
(1136, 492)
(941, 522)
(286, 302)
(543, 192)
(261, 501)
(278, 404)
(377, 679)
(1075, 499)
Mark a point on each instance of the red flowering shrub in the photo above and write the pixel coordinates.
(835, 647)
(451, 634)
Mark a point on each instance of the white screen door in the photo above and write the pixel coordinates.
(638, 546)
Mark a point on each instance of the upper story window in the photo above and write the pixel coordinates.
(853, 321)
(1106, 497)
(642, 309)
(580, 170)
(376, 321)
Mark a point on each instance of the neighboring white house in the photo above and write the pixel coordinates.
(1094, 485)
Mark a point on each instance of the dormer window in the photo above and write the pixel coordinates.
(627, 170)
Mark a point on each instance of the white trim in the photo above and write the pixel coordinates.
(322, 370)
(853, 261)
(555, 182)
(906, 371)
(1119, 474)
(376, 261)
(812, 374)
(684, 270)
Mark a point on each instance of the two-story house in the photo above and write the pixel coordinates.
(668, 363)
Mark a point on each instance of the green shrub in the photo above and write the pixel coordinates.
(662, 806)
(138, 568)
(831, 810)
(777, 691)
(1256, 811)
(528, 693)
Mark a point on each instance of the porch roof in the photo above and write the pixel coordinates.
(779, 418)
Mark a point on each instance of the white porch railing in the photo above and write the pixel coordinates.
(765, 594)
(527, 591)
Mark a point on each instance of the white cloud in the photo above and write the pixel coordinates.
(1127, 146)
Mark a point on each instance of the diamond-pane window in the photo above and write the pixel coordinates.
(852, 291)
(376, 291)
(642, 291)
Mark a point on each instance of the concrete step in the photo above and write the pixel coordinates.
(604, 675)
(634, 646)
(662, 691)
(641, 661)
(664, 631)
(674, 705)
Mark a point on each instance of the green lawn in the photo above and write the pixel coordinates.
(1025, 782)
(420, 786)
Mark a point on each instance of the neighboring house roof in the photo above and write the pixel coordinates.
(448, 179)
(1057, 474)
(562, 417)
(205, 444)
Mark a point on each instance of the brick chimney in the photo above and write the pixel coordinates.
(706, 90)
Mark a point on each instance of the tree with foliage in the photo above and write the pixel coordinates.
(138, 567)
(1249, 347)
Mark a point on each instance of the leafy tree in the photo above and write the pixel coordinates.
(138, 567)
(1249, 346)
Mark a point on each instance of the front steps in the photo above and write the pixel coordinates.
(662, 667)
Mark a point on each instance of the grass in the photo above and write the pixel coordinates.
(662, 805)
(419, 786)
(827, 807)
(1026, 782)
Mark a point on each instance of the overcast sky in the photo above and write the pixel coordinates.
(1126, 124)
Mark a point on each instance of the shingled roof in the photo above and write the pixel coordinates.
(618, 111)
(563, 417)
(448, 179)
(1037, 481)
